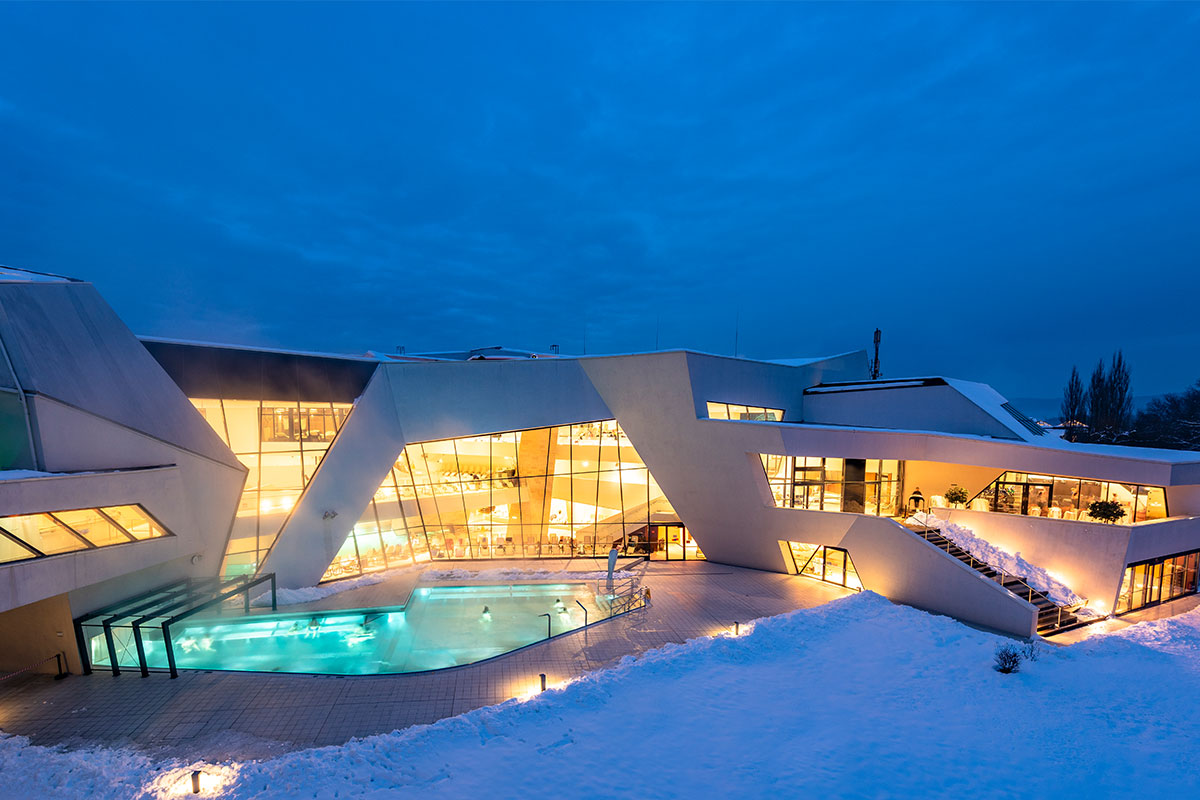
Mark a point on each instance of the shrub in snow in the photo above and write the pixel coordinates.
(1008, 658)
(1033, 651)
(956, 495)
(1106, 510)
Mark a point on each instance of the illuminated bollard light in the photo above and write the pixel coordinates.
(195, 781)
(542, 675)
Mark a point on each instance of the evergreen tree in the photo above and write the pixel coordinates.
(1097, 400)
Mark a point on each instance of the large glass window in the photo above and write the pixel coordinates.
(740, 412)
(34, 535)
(854, 485)
(829, 564)
(1148, 583)
(281, 443)
(1060, 497)
(570, 490)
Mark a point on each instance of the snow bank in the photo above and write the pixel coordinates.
(288, 597)
(1011, 563)
(509, 574)
(856, 698)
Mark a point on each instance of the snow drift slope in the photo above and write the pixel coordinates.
(857, 698)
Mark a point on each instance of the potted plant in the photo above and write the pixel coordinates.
(1109, 511)
(956, 496)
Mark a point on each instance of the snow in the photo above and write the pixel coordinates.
(994, 556)
(288, 597)
(511, 574)
(856, 698)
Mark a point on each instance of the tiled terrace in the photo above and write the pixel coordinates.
(212, 715)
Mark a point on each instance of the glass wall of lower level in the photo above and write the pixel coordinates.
(829, 564)
(855, 485)
(1151, 582)
(570, 490)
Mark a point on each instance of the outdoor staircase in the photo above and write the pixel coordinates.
(1052, 617)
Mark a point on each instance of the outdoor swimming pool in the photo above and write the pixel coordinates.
(440, 626)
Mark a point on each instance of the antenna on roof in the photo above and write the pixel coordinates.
(554, 349)
(875, 371)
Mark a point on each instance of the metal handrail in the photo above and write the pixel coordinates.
(1022, 590)
(547, 616)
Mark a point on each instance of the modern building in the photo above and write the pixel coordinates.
(132, 463)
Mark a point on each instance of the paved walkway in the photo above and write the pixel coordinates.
(215, 715)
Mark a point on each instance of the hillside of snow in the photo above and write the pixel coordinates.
(856, 698)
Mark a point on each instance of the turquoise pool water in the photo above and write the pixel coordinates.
(442, 626)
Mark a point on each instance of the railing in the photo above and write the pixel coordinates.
(60, 657)
(216, 601)
(1012, 583)
(621, 595)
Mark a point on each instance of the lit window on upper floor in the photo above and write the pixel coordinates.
(1059, 497)
(851, 485)
(49, 533)
(735, 411)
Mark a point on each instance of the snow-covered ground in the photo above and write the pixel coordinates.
(1012, 563)
(856, 698)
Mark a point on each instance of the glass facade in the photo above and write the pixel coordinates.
(544, 493)
(829, 564)
(281, 443)
(1151, 582)
(1068, 498)
(25, 536)
(855, 485)
(735, 411)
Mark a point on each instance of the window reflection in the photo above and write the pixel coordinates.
(25, 536)
(570, 490)
(1060, 497)
(281, 443)
(829, 564)
(1158, 581)
(852, 485)
(741, 412)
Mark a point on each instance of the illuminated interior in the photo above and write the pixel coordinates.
(25, 536)
(854, 485)
(740, 412)
(281, 443)
(1152, 582)
(829, 564)
(1068, 498)
(571, 490)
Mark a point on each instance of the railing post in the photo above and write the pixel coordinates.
(112, 648)
(61, 659)
(547, 616)
(166, 629)
(274, 602)
(582, 606)
(141, 650)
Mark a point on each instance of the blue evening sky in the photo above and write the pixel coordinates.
(1004, 189)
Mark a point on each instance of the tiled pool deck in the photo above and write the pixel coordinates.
(213, 715)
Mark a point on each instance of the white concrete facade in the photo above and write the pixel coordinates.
(97, 405)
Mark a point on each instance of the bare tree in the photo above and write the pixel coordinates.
(1074, 405)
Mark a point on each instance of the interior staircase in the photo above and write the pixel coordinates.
(1052, 617)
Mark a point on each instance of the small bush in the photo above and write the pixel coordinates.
(1008, 658)
(956, 495)
(1106, 510)
(1033, 651)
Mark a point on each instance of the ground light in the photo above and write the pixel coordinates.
(204, 780)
